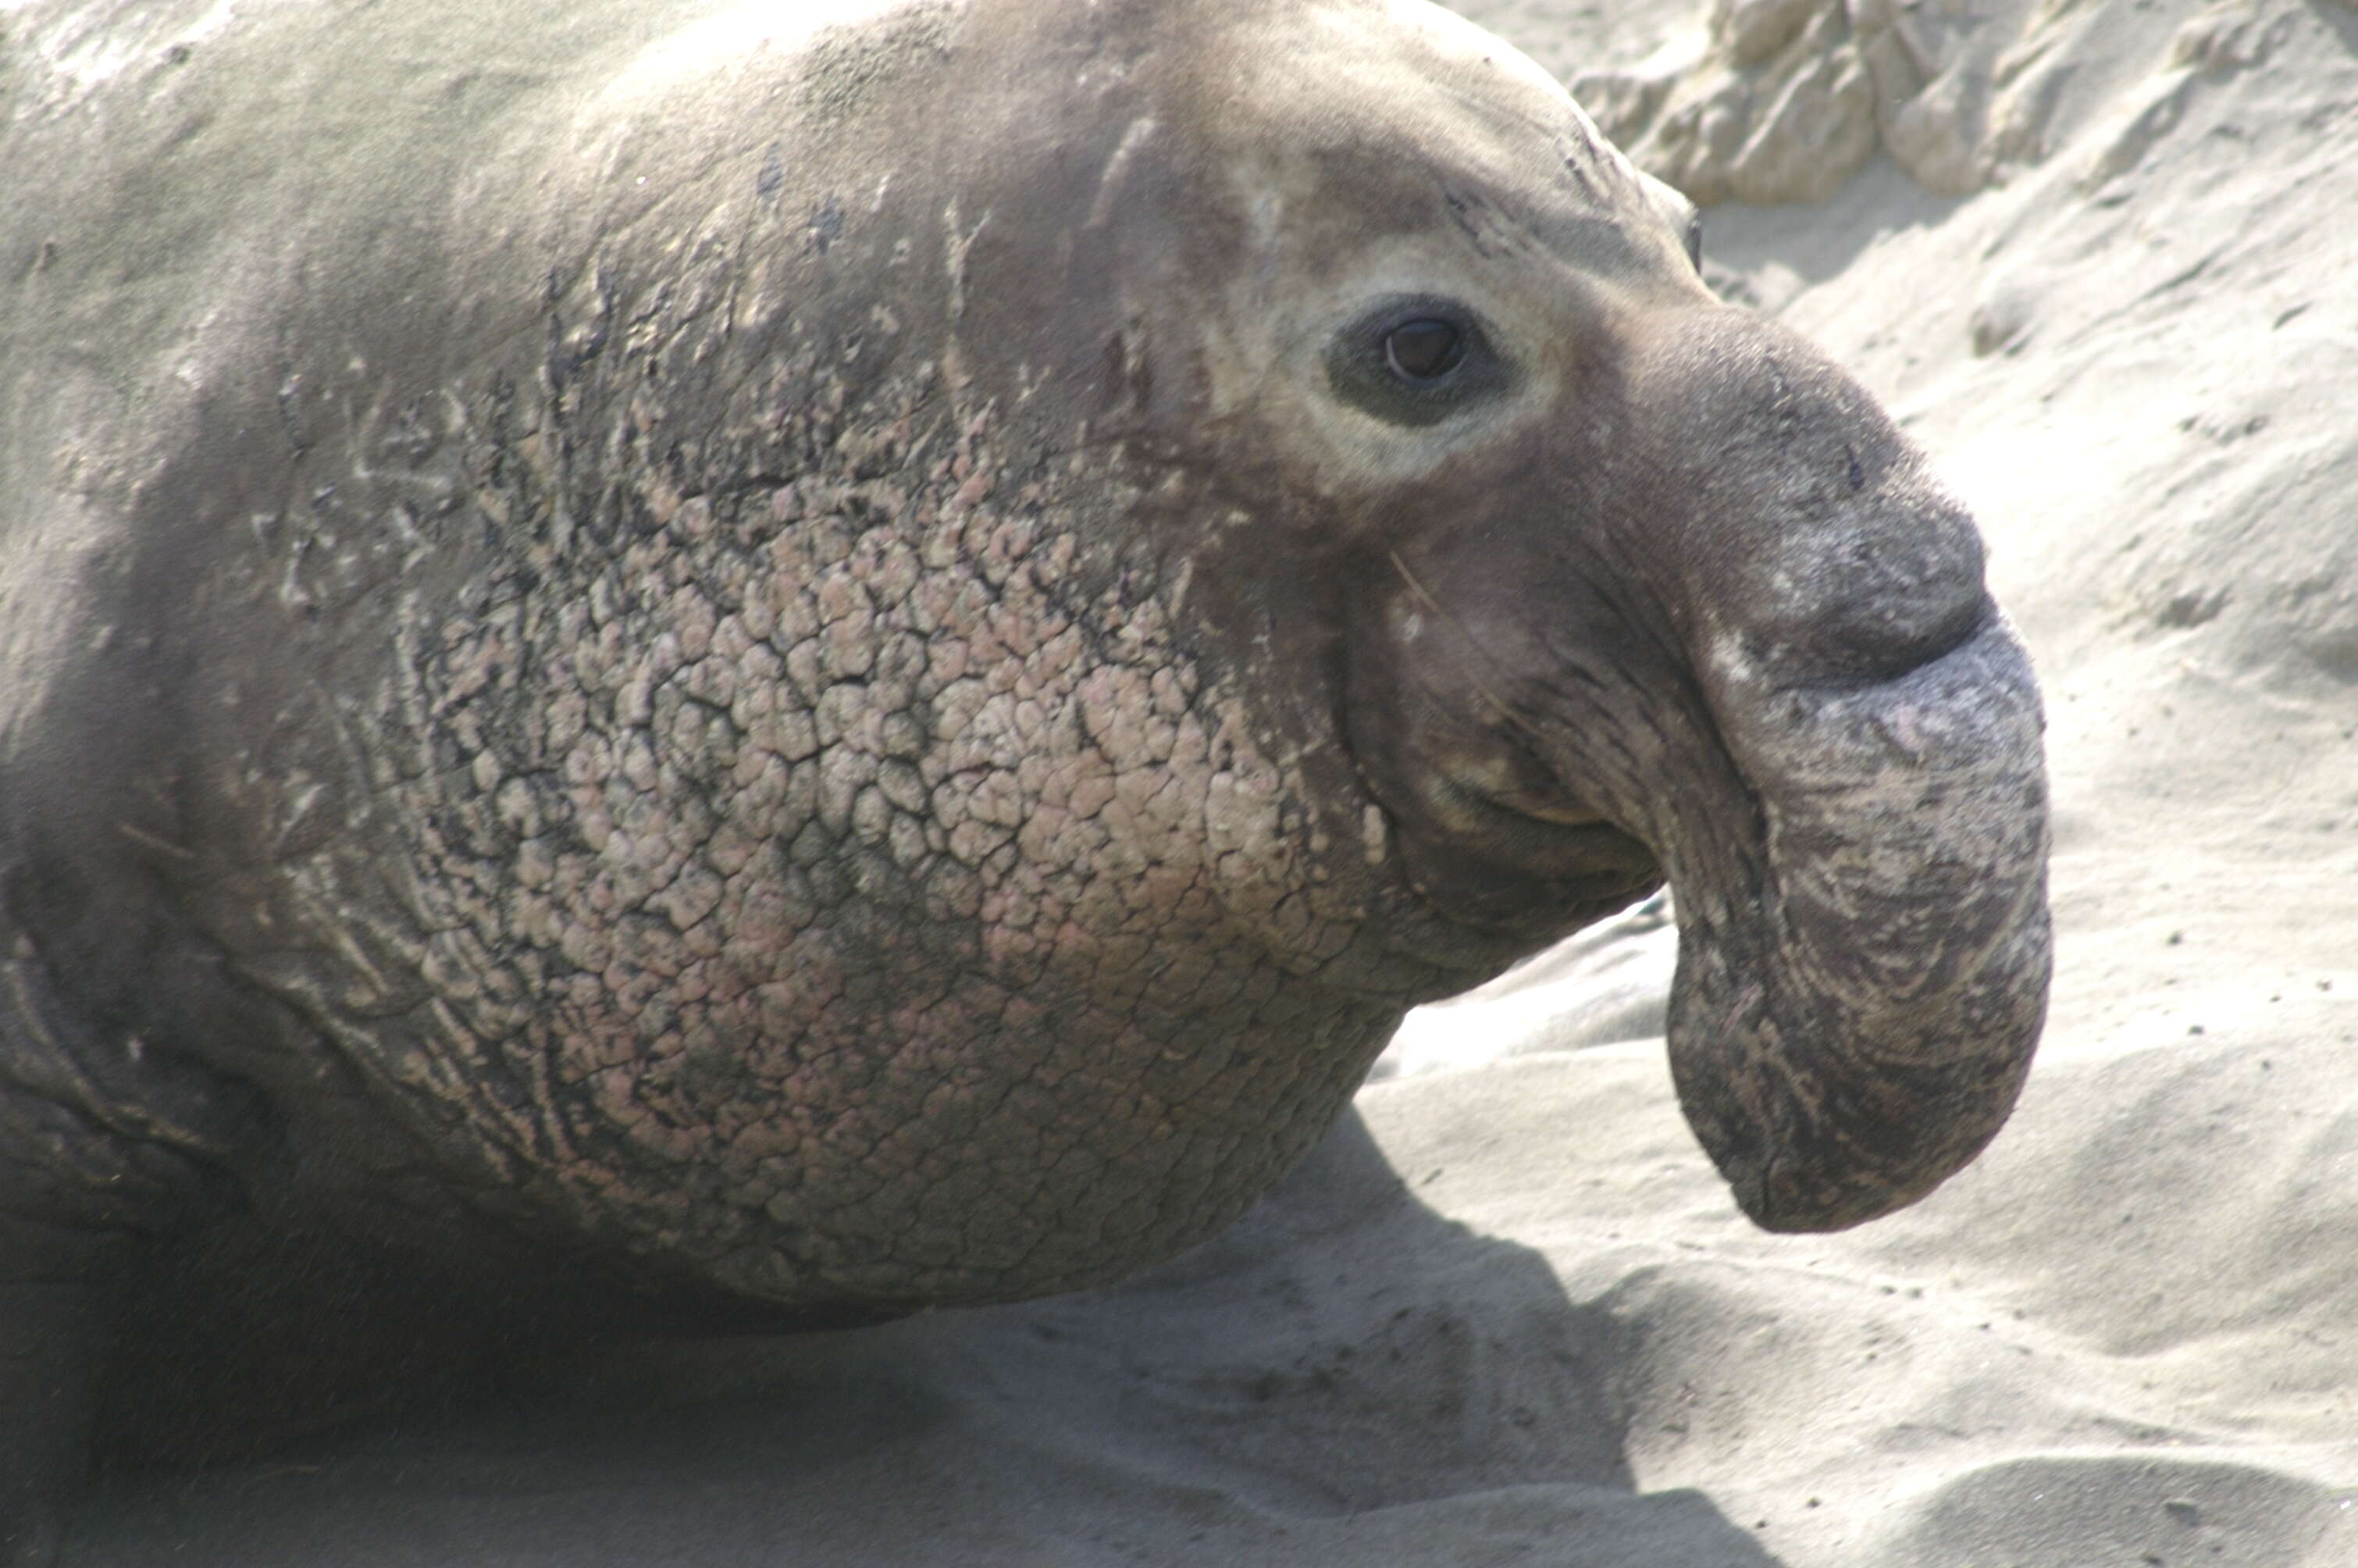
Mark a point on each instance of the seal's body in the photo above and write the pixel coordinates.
(689, 664)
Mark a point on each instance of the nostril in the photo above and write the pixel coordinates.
(1872, 642)
(1864, 596)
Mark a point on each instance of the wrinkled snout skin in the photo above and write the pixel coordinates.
(1863, 961)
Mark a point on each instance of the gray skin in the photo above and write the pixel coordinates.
(674, 666)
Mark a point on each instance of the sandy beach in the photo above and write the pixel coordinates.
(2096, 257)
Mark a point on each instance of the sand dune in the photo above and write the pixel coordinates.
(2097, 255)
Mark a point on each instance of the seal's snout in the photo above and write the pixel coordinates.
(1823, 552)
(1859, 852)
(1883, 587)
(1861, 986)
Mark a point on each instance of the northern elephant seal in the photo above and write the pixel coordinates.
(694, 663)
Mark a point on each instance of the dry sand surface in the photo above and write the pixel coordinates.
(2098, 256)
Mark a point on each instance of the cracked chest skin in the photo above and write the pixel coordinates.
(838, 891)
(881, 853)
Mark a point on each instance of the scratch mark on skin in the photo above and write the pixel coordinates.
(1117, 170)
(1504, 713)
(162, 846)
(956, 246)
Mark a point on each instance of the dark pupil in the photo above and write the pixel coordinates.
(1419, 351)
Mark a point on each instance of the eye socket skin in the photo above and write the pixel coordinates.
(1694, 241)
(1415, 360)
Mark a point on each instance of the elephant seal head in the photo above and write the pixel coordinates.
(1605, 579)
(982, 595)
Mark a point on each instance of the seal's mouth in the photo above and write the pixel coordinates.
(1527, 865)
(1490, 832)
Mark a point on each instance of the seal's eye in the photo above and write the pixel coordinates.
(1424, 350)
(1694, 241)
(1415, 360)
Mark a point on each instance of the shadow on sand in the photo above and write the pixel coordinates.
(1344, 1376)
